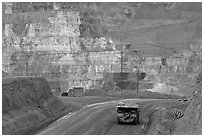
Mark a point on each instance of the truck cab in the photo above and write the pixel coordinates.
(127, 112)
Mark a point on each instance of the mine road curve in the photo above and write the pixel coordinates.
(101, 119)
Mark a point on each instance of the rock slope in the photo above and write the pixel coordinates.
(26, 103)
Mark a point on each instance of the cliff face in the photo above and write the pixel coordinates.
(77, 44)
(27, 102)
(179, 70)
(191, 123)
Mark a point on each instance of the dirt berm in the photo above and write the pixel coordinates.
(27, 103)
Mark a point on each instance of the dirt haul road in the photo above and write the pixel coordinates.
(101, 119)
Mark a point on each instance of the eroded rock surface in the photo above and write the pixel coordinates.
(27, 103)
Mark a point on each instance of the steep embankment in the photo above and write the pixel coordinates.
(185, 118)
(191, 123)
(27, 103)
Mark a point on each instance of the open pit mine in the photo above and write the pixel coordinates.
(102, 68)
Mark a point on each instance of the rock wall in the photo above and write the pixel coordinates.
(191, 123)
(26, 103)
(78, 47)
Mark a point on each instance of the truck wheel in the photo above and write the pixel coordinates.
(119, 122)
(138, 119)
(134, 122)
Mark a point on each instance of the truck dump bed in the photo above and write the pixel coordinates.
(127, 104)
(128, 112)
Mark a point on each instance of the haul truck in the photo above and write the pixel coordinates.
(128, 112)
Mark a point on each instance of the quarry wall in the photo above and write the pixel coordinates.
(66, 45)
(71, 47)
